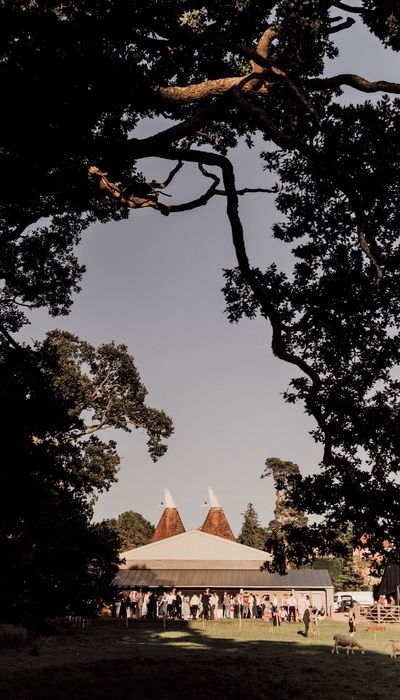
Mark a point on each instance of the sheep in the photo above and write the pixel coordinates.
(395, 648)
(345, 640)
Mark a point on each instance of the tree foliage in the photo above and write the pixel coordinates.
(349, 571)
(52, 401)
(288, 524)
(343, 571)
(221, 72)
(132, 529)
(251, 533)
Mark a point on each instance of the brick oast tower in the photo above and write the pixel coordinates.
(216, 522)
(170, 522)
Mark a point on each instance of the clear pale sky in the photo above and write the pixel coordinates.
(154, 284)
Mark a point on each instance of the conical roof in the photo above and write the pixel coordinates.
(170, 523)
(216, 522)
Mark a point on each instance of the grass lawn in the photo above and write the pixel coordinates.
(221, 660)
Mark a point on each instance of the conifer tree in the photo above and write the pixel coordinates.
(251, 533)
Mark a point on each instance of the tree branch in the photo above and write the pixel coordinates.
(278, 343)
(142, 148)
(248, 190)
(259, 61)
(339, 179)
(163, 185)
(209, 88)
(355, 81)
(204, 198)
(263, 48)
(340, 27)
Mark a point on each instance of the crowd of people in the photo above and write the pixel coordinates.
(211, 605)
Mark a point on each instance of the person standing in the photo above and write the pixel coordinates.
(258, 604)
(152, 605)
(163, 605)
(292, 605)
(178, 605)
(185, 607)
(205, 601)
(226, 604)
(214, 604)
(251, 606)
(245, 604)
(352, 621)
(301, 606)
(171, 598)
(194, 605)
(240, 602)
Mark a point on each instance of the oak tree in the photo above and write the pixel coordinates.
(56, 403)
(84, 74)
(132, 529)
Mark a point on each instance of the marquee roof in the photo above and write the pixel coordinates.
(196, 546)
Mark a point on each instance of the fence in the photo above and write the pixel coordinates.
(380, 613)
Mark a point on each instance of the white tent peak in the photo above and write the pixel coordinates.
(168, 501)
(212, 499)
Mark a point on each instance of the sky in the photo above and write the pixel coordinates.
(154, 283)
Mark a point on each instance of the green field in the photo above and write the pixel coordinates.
(186, 660)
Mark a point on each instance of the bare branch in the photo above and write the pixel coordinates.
(278, 342)
(249, 190)
(345, 25)
(163, 185)
(354, 81)
(204, 198)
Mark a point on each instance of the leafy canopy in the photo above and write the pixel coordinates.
(132, 529)
(221, 72)
(53, 402)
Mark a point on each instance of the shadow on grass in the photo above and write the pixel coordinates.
(182, 660)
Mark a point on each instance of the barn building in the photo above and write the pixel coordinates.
(210, 557)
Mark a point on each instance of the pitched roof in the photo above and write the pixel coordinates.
(229, 578)
(216, 522)
(170, 523)
(195, 545)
